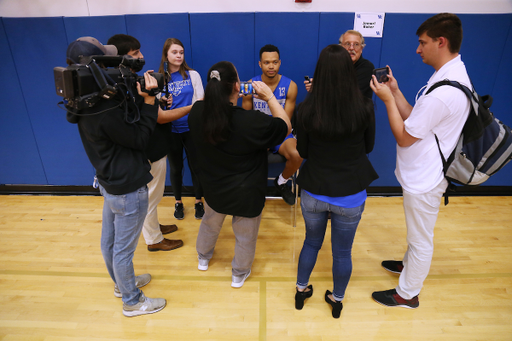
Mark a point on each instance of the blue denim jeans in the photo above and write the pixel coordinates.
(344, 223)
(123, 216)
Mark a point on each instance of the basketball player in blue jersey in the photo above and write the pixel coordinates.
(285, 91)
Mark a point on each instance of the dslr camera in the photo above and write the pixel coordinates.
(83, 85)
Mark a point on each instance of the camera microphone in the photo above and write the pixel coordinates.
(166, 69)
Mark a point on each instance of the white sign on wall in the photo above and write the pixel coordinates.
(369, 24)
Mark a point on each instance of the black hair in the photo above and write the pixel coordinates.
(217, 104)
(269, 48)
(445, 25)
(124, 43)
(335, 106)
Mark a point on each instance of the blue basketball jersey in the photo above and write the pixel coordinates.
(280, 93)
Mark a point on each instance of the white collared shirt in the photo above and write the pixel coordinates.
(442, 112)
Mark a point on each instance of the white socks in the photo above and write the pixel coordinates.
(281, 180)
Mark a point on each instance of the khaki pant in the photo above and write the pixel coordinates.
(151, 228)
(246, 235)
(421, 212)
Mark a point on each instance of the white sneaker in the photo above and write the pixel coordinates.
(146, 305)
(140, 281)
(238, 281)
(203, 264)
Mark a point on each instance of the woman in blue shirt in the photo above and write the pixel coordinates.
(182, 90)
(335, 132)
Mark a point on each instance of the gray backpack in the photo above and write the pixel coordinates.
(484, 146)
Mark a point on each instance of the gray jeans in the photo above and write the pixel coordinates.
(246, 235)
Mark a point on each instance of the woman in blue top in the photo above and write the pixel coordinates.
(182, 90)
(335, 132)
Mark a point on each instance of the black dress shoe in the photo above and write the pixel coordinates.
(300, 296)
(166, 229)
(336, 306)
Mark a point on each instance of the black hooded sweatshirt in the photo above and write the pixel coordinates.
(114, 145)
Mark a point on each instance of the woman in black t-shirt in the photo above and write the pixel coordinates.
(232, 148)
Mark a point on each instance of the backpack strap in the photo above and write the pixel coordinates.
(451, 186)
(455, 84)
(469, 94)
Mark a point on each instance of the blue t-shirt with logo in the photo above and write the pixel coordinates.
(182, 92)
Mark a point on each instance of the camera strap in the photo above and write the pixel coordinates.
(129, 82)
(107, 90)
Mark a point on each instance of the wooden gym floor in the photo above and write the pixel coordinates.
(54, 285)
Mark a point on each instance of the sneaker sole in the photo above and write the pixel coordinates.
(392, 271)
(397, 305)
(119, 295)
(202, 267)
(240, 284)
(139, 312)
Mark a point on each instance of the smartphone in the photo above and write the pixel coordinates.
(306, 78)
(381, 74)
(246, 88)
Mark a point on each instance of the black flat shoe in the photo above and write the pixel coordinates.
(300, 296)
(336, 306)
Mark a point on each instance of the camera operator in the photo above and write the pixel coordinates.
(115, 133)
(156, 152)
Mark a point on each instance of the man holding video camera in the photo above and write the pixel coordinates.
(156, 152)
(115, 132)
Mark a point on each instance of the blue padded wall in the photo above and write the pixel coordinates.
(295, 34)
(20, 157)
(486, 52)
(40, 147)
(482, 48)
(502, 99)
(37, 45)
(223, 36)
(153, 30)
(100, 28)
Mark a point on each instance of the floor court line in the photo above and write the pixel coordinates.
(251, 278)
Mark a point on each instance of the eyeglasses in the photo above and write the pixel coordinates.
(356, 46)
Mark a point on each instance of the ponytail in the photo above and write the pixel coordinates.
(217, 105)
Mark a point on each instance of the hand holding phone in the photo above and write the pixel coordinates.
(308, 83)
(246, 88)
(381, 74)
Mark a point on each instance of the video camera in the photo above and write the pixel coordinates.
(83, 85)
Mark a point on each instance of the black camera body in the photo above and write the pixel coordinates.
(83, 85)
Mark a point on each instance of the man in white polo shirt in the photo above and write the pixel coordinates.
(419, 168)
